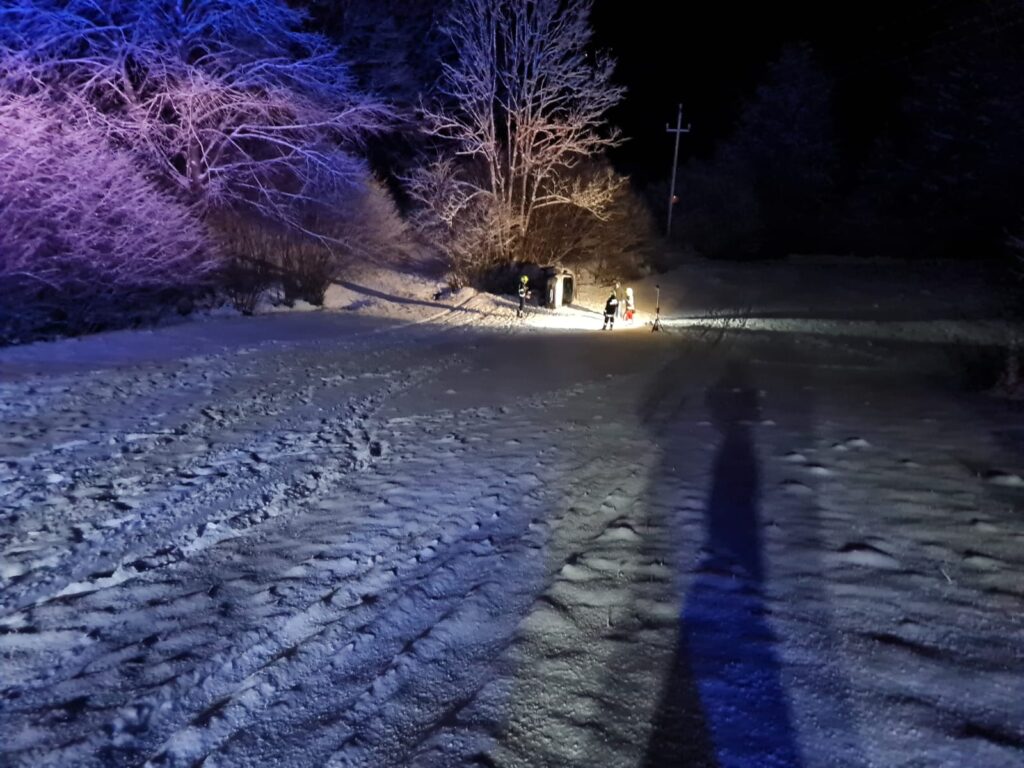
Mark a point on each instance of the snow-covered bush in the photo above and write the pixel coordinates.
(195, 111)
(461, 226)
(234, 104)
(369, 226)
(308, 267)
(361, 224)
(245, 280)
(84, 235)
(612, 247)
(261, 254)
(620, 247)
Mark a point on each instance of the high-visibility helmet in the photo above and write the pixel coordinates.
(524, 279)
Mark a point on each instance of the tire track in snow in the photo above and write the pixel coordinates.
(132, 722)
(237, 714)
(474, 540)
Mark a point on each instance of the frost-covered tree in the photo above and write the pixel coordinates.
(233, 102)
(83, 233)
(520, 106)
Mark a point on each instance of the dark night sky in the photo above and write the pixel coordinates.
(715, 55)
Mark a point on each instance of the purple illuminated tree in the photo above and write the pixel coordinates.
(82, 231)
(233, 103)
(520, 107)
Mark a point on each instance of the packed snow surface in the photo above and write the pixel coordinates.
(423, 538)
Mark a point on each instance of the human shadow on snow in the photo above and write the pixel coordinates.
(723, 702)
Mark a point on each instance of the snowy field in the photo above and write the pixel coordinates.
(433, 536)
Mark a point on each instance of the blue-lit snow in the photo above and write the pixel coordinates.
(333, 539)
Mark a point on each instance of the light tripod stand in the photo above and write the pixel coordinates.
(657, 310)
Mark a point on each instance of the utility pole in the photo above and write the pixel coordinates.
(678, 131)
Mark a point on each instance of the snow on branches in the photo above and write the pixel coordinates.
(522, 106)
(232, 101)
(81, 229)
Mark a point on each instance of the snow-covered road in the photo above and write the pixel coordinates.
(367, 546)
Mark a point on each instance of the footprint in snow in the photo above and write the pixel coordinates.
(984, 526)
(818, 471)
(575, 573)
(1005, 479)
(982, 561)
(851, 444)
(796, 488)
(866, 556)
(620, 532)
(795, 457)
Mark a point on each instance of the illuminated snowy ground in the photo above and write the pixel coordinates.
(320, 539)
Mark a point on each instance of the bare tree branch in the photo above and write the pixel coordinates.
(522, 105)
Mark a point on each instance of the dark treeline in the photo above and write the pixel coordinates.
(875, 128)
